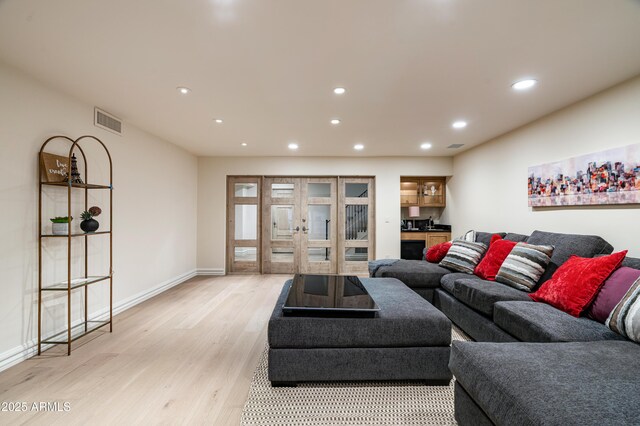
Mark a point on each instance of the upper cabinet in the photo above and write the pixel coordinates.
(426, 191)
(409, 190)
(433, 192)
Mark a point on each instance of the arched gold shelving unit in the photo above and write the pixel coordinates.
(73, 331)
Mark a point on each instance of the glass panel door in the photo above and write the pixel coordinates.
(243, 224)
(281, 225)
(286, 225)
(319, 234)
(356, 234)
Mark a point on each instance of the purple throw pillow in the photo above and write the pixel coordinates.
(613, 290)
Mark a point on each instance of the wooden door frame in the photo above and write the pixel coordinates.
(330, 267)
(231, 243)
(267, 244)
(344, 266)
(263, 237)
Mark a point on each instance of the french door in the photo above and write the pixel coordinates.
(243, 224)
(301, 234)
(286, 225)
(357, 224)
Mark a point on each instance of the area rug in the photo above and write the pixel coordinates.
(347, 403)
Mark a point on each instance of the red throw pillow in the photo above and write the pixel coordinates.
(436, 253)
(576, 283)
(494, 238)
(498, 251)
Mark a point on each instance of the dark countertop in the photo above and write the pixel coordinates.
(426, 230)
(436, 228)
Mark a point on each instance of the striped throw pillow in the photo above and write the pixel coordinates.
(524, 266)
(463, 256)
(625, 317)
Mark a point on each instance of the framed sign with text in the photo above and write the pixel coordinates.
(54, 168)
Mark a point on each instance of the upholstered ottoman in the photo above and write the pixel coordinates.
(408, 340)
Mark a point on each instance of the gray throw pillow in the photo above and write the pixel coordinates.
(463, 256)
(524, 266)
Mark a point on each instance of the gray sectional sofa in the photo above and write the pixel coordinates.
(531, 363)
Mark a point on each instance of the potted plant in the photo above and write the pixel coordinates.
(60, 225)
(89, 224)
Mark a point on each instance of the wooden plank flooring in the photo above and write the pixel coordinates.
(184, 357)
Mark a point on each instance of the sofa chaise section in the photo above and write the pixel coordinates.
(577, 383)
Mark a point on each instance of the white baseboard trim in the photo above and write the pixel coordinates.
(18, 354)
(28, 349)
(148, 294)
(210, 271)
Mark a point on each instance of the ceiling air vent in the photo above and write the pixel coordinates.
(106, 121)
(455, 145)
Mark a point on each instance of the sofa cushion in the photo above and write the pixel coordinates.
(447, 281)
(539, 322)
(594, 383)
(577, 282)
(524, 266)
(481, 295)
(463, 256)
(518, 238)
(564, 245)
(498, 251)
(485, 237)
(414, 273)
(631, 262)
(612, 292)
(625, 317)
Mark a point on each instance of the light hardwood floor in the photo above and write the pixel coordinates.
(184, 357)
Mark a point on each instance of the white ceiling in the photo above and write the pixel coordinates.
(268, 68)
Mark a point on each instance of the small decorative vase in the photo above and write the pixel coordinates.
(60, 228)
(89, 225)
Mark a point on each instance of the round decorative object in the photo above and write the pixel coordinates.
(89, 225)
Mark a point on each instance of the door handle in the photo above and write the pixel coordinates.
(304, 229)
(297, 228)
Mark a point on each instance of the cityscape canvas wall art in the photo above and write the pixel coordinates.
(602, 178)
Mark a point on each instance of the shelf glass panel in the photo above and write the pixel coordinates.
(75, 283)
(77, 331)
(78, 185)
(75, 235)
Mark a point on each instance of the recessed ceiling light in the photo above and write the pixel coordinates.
(335, 121)
(524, 84)
(459, 124)
(425, 145)
(243, 144)
(293, 146)
(219, 120)
(339, 90)
(183, 90)
(358, 147)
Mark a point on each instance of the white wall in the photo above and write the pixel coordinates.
(488, 190)
(155, 202)
(212, 173)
